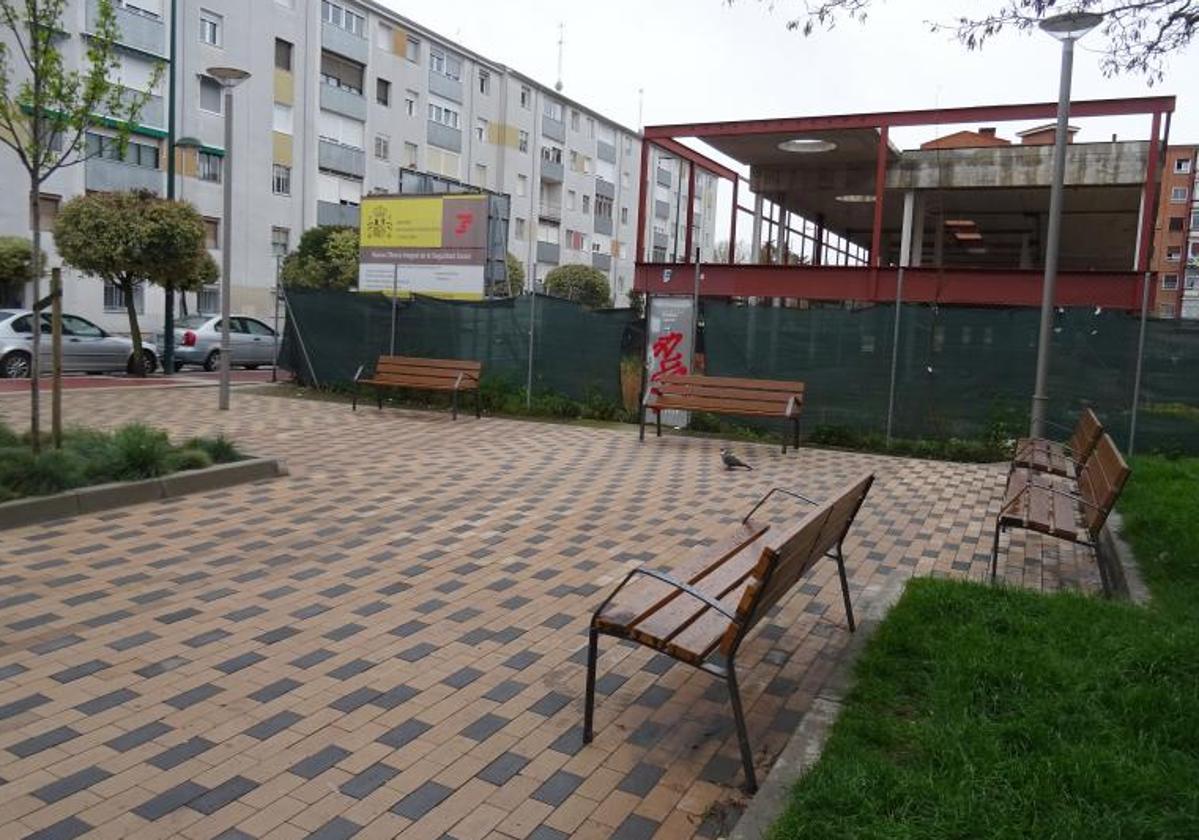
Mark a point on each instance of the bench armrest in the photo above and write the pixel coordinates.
(358, 373)
(687, 588)
(771, 492)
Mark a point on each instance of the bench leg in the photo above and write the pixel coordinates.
(642, 434)
(747, 755)
(658, 413)
(786, 434)
(796, 420)
(454, 411)
(354, 401)
(845, 589)
(379, 398)
(995, 550)
(478, 405)
(589, 701)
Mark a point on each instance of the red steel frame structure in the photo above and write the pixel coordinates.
(876, 282)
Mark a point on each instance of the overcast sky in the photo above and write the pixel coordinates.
(702, 60)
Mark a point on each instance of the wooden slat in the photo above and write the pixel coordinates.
(1086, 435)
(458, 364)
(734, 382)
(724, 406)
(424, 382)
(430, 373)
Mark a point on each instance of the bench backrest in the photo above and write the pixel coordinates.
(729, 393)
(1100, 481)
(782, 565)
(414, 368)
(1087, 432)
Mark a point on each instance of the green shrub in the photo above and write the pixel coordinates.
(8, 437)
(220, 449)
(24, 474)
(188, 459)
(138, 452)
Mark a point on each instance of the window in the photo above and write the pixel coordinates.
(283, 54)
(586, 204)
(574, 120)
(74, 325)
(1195, 221)
(1174, 253)
(481, 130)
(145, 8)
(1176, 222)
(485, 82)
(208, 299)
(548, 232)
(412, 49)
(135, 154)
(410, 103)
(443, 115)
(520, 231)
(624, 215)
(282, 122)
(624, 180)
(212, 233)
(208, 167)
(522, 185)
(382, 147)
(210, 95)
(576, 240)
(281, 180)
(1191, 281)
(47, 210)
(1178, 194)
(114, 298)
(522, 141)
(590, 127)
(552, 154)
(1165, 310)
(444, 63)
(1182, 166)
(443, 162)
(344, 131)
(1169, 282)
(383, 92)
(341, 73)
(603, 207)
(344, 18)
(255, 327)
(280, 241)
(210, 28)
(571, 199)
(384, 37)
(552, 110)
(526, 97)
(411, 150)
(481, 175)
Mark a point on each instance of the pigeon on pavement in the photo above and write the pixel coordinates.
(732, 462)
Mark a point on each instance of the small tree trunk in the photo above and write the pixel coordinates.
(139, 367)
(35, 362)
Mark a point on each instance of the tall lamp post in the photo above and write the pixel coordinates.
(229, 77)
(1067, 28)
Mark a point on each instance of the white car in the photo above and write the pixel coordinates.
(198, 342)
(85, 347)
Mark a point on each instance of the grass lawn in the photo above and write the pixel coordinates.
(994, 712)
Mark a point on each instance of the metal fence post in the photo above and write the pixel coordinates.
(532, 322)
(1136, 382)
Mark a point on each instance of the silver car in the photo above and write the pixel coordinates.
(198, 342)
(85, 347)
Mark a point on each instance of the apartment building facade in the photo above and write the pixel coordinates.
(342, 95)
(1175, 293)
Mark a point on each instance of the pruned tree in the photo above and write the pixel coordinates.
(133, 238)
(516, 275)
(47, 109)
(1138, 35)
(16, 265)
(581, 284)
(326, 258)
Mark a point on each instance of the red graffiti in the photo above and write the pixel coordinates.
(465, 220)
(669, 359)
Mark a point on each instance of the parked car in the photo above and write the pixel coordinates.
(198, 342)
(85, 347)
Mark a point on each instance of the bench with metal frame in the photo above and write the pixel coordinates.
(452, 375)
(700, 612)
(1056, 457)
(726, 395)
(1050, 505)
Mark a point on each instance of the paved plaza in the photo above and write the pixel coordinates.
(391, 641)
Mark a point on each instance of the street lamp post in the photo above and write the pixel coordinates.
(1067, 28)
(229, 77)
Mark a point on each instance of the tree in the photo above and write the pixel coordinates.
(133, 238)
(580, 283)
(1138, 35)
(516, 275)
(46, 110)
(326, 258)
(16, 265)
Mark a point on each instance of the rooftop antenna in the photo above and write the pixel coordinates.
(558, 86)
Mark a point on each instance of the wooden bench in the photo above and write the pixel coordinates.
(1047, 504)
(725, 395)
(700, 612)
(1064, 459)
(454, 375)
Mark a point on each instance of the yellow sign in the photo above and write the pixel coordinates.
(407, 223)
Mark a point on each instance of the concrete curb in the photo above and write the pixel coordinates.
(1117, 565)
(103, 497)
(804, 749)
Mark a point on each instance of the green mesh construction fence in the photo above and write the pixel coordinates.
(576, 352)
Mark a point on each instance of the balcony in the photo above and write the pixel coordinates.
(342, 159)
(603, 224)
(661, 209)
(605, 151)
(601, 261)
(343, 101)
(547, 252)
(105, 175)
(328, 213)
(550, 210)
(661, 240)
(138, 30)
(664, 178)
(604, 188)
(335, 39)
(551, 171)
(445, 87)
(553, 129)
(444, 137)
(152, 113)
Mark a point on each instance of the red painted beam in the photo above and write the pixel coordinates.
(1149, 196)
(733, 223)
(880, 186)
(933, 116)
(690, 212)
(644, 195)
(688, 154)
(965, 287)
